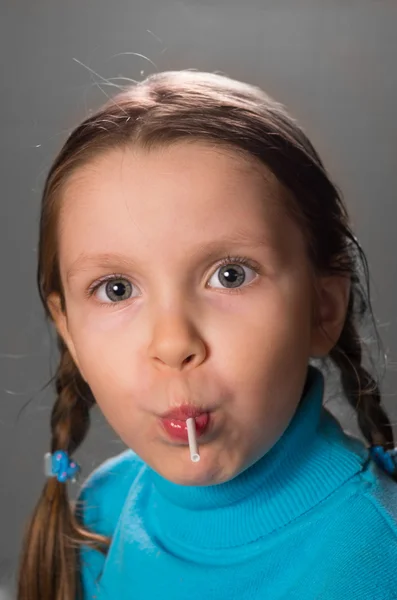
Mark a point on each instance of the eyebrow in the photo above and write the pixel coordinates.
(209, 249)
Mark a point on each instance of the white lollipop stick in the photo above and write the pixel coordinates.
(191, 434)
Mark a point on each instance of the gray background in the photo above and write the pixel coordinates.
(332, 62)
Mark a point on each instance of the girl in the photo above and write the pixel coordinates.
(195, 258)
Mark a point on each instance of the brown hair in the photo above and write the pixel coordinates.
(164, 108)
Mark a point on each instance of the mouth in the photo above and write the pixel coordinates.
(174, 422)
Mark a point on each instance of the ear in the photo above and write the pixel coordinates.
(60, 320)
(332, 299)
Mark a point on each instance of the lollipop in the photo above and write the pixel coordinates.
(191, 433)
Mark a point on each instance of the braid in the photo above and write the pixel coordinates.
(70, 416)
(49, 564)
(361, 389)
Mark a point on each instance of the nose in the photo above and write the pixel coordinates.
(176, 344)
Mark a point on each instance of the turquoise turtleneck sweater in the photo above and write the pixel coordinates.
(313, 519)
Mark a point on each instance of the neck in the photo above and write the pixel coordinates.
(299, 471)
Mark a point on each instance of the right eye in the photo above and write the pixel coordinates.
(114, 290)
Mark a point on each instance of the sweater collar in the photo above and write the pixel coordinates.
(311, 459)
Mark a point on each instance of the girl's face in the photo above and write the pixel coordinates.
(186, 283)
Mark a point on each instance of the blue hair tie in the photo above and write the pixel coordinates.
(385, 459)
(62, 467)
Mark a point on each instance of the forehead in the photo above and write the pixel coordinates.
(188, 191)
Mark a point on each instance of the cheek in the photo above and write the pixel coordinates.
(116, 384)
(110, 359)
(272, 330)
(106, 358)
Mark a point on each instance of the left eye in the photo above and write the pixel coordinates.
(232, 276)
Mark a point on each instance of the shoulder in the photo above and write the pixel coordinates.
(358, 539)
(103, 494)
(366, 508)
(367, 536)
(98, 507)
(381, 494)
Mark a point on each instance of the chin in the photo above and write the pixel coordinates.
(194, 480)
(188, 473)
(192, 474)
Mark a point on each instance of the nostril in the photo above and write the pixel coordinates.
(188, 359)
